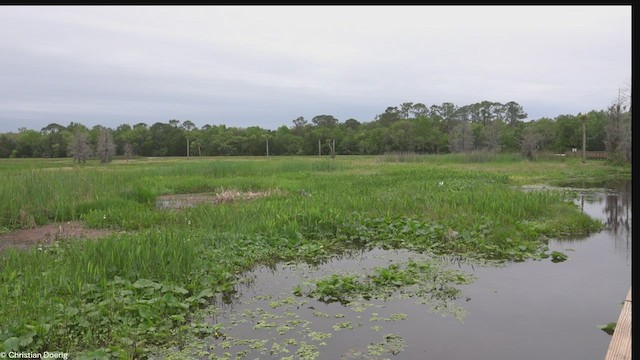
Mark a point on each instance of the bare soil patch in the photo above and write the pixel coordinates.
(181, 201)
(44, 235)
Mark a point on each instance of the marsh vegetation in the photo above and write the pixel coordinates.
(150, 283)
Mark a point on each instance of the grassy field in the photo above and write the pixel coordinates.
(117, 296)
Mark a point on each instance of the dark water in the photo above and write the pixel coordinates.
(529, 310)
(544, 310)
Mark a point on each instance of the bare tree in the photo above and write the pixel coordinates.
(529, 143)
(128, 151)
(492, 137)
(461, 138)
(332, 147)
(624, 147)
(105, 147)
(79, 147)
(618, 128)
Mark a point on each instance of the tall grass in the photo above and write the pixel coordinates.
(467, 157)
(32, 196)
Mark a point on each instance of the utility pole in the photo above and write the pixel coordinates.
(266, 137)
(584, 138)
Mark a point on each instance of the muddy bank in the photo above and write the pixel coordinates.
(45, 234)
(181, 201)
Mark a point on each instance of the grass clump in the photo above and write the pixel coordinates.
(415, 279)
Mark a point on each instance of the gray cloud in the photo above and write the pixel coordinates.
(265, 66)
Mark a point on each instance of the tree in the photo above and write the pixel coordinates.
(142, 140)
(299, 124)
(352, 124)
(546, 129)
(105, 147)
(327, 121)
(389, 116)
(54, 142)
(7, 145)
(161, 138)
(285, 142)
(487, 111)
(123, 135)
(514, 113)
(428, 135)
(167, 139)
(446, 114)
(349, 143)
(198, 139)
(461, 138)
(568, 133)
(510, 137)
(406, 110)
(29, 144)
(79, 147)
(401, 136)
(74, 127)
(596, 125)
(419, 109)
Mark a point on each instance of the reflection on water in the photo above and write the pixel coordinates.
(613, 207)
(618, 209)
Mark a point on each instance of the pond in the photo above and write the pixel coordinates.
(524, 310)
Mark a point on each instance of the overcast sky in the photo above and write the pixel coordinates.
(265, 66)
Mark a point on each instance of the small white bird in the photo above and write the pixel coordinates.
(441, 183)
(304, 193)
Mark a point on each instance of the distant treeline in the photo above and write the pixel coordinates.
(409, 127)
